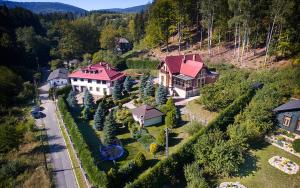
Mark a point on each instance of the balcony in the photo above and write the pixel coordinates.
(183, 87)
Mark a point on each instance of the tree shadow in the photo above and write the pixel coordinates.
(126, 141)
(174, 141)
(249, 167)
(52, 148)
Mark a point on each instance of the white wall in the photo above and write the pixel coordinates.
(58, 82)
(180, 92)
(93, 86)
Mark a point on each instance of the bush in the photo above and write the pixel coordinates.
(63, 91)
(193, 127)
(140, 159)
(146, 140)
(141, 64)
(296, 145)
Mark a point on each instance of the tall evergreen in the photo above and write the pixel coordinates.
(110, 128)
(161, 95)
(143, 82)
(117, 91)
(71, 100)
(99, 117)
(128, 84)
(170, 119)
(149, 88)
(88, 100)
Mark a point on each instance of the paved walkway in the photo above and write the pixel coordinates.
(61, 163)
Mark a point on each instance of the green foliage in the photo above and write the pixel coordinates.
(63, 91)
(149, 88)
(128, 83)
(56, 63)
(9, 170)
(117, 91)
(194, 176)
(143, 83)
(142, 64)
(170, 120)
(140, 160)
(108, 37)
(72, 102)
(161, 95)
(193, 127)
(27, 92)
(296, 145)
(124, 116)
(110, 128)
(97, 177)
(146, 140)
(10, 138)
(99, 117)
(161, 138)
(88, 100)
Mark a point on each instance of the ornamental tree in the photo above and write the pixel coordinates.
(161, 138)
(153, 148)
(88, 100)
(71, 100)
(161, 95)
(149, 88)
(99, 117)
(128, 84)
(110, 128)
(117, 91)
(143, 82)
(170, 118)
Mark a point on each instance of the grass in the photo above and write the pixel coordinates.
(199, 112)
(257, 172)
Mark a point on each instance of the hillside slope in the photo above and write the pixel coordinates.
(134, 9)
(44, 7)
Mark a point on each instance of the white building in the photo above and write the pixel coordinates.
(58, 78)
(147, 115)
(98, 79)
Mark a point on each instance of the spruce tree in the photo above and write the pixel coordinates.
(99, 117)
(71, 100)
(110, 128)
(143, 82)
(117, 91)
(149, 88)
(161, 95)
(128, 84)
(88, 100)
(170, 119)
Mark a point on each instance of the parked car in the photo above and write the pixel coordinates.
(36, 109)
(37, 114)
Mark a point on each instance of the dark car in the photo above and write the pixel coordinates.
(36, 109)
(37, 114)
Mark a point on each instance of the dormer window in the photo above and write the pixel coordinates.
(96, 71)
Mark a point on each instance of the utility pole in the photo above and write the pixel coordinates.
(167, 142)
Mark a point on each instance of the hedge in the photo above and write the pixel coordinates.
(170, 169)
(97, 177)
(141, 64)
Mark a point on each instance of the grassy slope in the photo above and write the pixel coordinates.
(257, 172)
(197, 110)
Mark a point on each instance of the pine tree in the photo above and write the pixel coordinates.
(170, 119)
(161, 95)
(128, 84)
(88, 100)
(99, 117)
(110, 128)
(149, 88)
(143, 82)
(117, 91)
(71, 100)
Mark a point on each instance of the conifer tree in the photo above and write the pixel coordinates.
(143, 82)
(110, 128)
(170, 119)
(117, 91)
(128, 84)
(99, 117)
(149, 88)
(161, 95)
(88, 100)
(71, 100)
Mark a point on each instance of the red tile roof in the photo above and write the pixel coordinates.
(100, 71)
(192, 66)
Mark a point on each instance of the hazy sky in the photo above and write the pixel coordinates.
(96, 4)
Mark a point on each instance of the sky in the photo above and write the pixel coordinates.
(96, 4)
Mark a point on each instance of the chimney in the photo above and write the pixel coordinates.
(184, 59)
(194, 57)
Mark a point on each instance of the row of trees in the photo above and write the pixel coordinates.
(272, 24)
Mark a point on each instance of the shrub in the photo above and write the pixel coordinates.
(153, 148)
(63, 91)
(140, 159)
(296, 145)
(146, 140)
(193, 127)
(141, 64)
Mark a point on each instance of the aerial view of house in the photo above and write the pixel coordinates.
(147, 115)
(58, 78)
(98, 79)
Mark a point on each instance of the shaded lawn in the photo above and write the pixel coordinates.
(257, 172)
(141, 71)
(197, 110)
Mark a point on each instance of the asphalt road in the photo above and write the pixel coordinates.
(62, 169)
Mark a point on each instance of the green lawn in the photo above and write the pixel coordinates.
(258, 173)
(199, 112)
(141, 71)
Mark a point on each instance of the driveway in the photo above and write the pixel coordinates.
(62, 168)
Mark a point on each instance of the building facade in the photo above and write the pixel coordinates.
(99, 79)
(58, 78)
(147, 115)
(288, 116)
(184, 75)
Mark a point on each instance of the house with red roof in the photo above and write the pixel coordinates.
(99, 79)
(184, 75)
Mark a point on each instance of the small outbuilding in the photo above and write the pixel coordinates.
(147, 115)
(123, 45)
(288, 116)
(58, 78)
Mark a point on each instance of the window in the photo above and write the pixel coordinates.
(286, 121)
(103, 82)
(81, 79)
(98, 81)
(89, 81)
(91, 88)
(97, 88)
(104, 91)
(75, 79)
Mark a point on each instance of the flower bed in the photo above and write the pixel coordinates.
(231, 185)
(284, 164)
